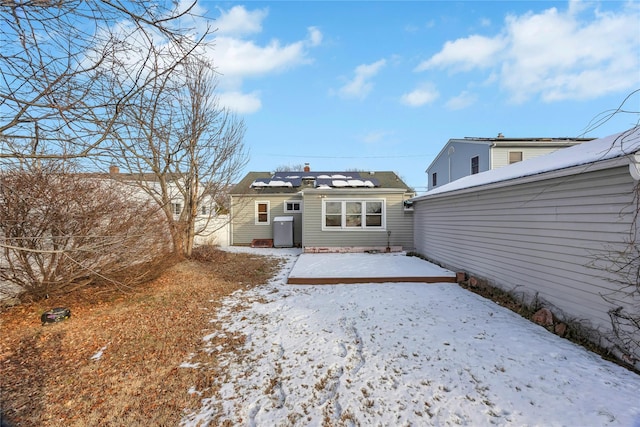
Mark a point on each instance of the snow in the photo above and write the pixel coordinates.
(400, 354)
(365, 265)
(617, 145)
(98, 355)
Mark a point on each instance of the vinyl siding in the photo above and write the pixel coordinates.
(398, 221)
(542, 237)
(500, 155)
(243, 227)
(458, 164)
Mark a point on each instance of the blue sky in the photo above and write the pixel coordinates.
(383, 85)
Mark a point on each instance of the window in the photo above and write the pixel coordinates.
(176, 208)
(515, 156)
(434, 179)
(262, 213)
(475, 165)
(353, 214)
(293, 206)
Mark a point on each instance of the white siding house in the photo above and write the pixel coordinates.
(461, 157)
(545, 227)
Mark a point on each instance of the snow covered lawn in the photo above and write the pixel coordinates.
(402, 354)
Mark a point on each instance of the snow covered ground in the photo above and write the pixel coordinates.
(401, 354)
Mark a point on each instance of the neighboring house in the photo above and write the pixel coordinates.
(327, 211)
(553, 227)
(211, 228)
(469, 156)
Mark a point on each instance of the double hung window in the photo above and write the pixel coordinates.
(353, 214)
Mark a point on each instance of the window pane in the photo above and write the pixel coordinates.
(263, 217)
(354, 208)
(374, 207)
(262, 207)
(374, 220)
(354, 220)
(333, 221)
(515, 156)
(333, 207)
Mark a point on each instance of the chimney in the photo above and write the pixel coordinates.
(114, 170)
(307, 168)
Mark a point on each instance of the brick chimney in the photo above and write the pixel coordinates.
(307, 168)
(114, 170)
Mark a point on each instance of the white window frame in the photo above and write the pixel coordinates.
(286, 207)
(257, 217)
(363, 213)
(176, 208)
(477, 159)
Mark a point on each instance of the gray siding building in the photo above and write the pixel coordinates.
(556, 227)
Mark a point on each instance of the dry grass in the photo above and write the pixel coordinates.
(48, 376)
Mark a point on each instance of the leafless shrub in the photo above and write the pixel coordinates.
(62, 231)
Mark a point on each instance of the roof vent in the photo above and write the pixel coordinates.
(500, 135)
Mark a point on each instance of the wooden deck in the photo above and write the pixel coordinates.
(349, 268)
(353, 280)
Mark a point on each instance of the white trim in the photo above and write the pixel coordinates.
(256, 218)
(343, 215)
(299, 202)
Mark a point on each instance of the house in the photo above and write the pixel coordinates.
(326, 211)
(560, 228)
(471, 155)
(210, 226)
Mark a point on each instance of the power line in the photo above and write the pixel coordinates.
(346, 157)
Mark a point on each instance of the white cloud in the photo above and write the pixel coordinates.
(237, 55)
(242, 58)
(422, 95)
(465, 54)
(315, 36)
(239, 21)
(360, 85)
(241, 103)
(578, 54)
(462, 101)
(375, 137)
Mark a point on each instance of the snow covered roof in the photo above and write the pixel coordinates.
(320, 180)
(610, 147)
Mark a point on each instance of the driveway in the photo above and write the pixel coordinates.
(401, 354)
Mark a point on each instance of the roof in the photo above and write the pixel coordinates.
(295, 181)
(502, 141)
(614, 146)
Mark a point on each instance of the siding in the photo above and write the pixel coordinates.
(458, 164)
(244, 229)
(500, 155)
(399, 222)
(541, 237)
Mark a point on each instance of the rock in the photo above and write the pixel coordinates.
(473, 282)
(560, 329)
(543, 317)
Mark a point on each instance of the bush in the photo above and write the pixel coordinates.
(61, 231)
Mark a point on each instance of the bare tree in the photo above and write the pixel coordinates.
(60, 231)
(57, 64)
(191, 147)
